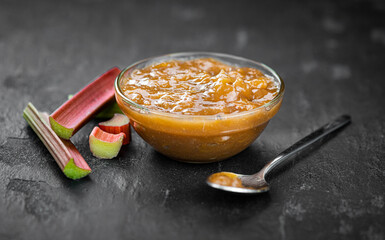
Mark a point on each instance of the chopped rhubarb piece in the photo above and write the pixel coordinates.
(64, 152)
(79, 109)
(118, 124)
(105, 145)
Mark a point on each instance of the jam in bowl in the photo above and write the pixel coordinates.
(199, 107)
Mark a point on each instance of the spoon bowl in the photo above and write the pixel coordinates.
(254, 186)
(256, 183)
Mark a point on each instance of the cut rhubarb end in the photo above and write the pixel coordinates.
(63, 151)
(80, 108)
(118, 124)
(105, 145)
(74, 172)
(63, 132)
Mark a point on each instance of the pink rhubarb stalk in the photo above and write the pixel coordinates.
(64, 152)
(78, 110)
(118, 124)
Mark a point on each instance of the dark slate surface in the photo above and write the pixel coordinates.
(331, 55)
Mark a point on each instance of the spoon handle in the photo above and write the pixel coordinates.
(306, 142)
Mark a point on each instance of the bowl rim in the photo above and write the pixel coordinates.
(144, 109)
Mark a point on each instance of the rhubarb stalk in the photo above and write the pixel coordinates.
(107, 111)
(78, 110)
(64, 152)
(105, 145)
(118, 124)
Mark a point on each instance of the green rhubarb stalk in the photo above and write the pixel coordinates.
(64, 152)
(108, 111)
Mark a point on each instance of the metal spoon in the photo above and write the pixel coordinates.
(257, 182)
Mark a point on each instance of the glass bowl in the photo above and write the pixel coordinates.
(199, 138)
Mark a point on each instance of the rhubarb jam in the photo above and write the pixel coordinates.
(227, 179)
(199, 87)
(199, 109)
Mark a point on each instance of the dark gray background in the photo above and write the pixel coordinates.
(331, 55)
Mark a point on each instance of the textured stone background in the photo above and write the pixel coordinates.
(331, 55)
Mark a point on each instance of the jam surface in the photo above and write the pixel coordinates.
(227, 179)
(202, 86)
